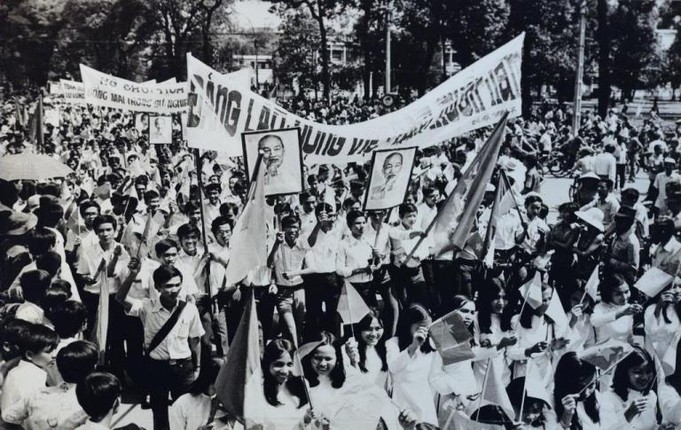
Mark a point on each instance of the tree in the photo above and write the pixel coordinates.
(294, 57)
(370, 35)
(636, 56)
(673, 63)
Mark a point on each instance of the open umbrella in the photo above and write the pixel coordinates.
(36, 167)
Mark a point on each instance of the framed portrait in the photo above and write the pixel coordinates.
(160, 129)
(282, 159)
(389, 181)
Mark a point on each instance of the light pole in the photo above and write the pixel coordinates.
(576, 119)
(387, 47)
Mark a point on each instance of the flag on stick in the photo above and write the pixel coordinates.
(556, 312)
(248, 246)
(494, 391)
(452, 224)
(240, 374)
(102, 320)
(351, 306)
(500, 194)
(531, 291)
(591, 287)
(451, 338)
(37, 131)
(653, 281)
(605, 354)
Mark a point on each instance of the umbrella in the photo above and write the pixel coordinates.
(36, 167)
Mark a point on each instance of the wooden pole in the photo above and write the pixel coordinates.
(580, 70)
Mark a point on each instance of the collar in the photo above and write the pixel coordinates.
(671, 245)
(157, 307)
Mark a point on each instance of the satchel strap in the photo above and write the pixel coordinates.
(163, 332)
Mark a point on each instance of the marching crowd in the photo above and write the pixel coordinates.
(151, 225)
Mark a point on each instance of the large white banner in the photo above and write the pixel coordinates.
(105, 90)
(68, 91)
(220, 109)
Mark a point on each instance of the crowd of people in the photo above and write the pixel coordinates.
(142, 234)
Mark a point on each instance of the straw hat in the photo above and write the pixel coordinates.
(593, 217)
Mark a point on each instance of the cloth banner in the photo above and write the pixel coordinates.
(68, 91)
(220, 109)
(109, 91)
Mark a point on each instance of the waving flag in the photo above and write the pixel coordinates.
(453, 222)
(102, 319)
(494, 390)
(556, 312)
(605, 354)
(531, 291)
(501, 191)
(248, 246)
(351, 306)
(591, 287)
(451, 338)
(240, 375)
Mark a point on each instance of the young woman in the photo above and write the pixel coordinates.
(613, 316)
(537, 412)
(632, 401)
(410, 359)
(366, 351)
(582, 332)
(284, 394)
(539, 339)
(661, 320)
(347, 402)
(494, 320)
(575, 396)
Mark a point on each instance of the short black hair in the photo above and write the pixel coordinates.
(50, 215)
(39, 338)
(104, 219)
(77, 360)
(210, 187)
(149, 195)
(221, 220)
(49, 262)
(165, 273)
(97, 394)
(13, 332)
(186, 230)
(406, 208)
(324, 207)
(68, 318)
(40, 240)
(352, 216)
(165, 244)
(34, 283)
(290, 221)
(87, 204)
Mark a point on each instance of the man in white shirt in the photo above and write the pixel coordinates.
(428, 209)
(660, 185)
(666, 254)
(105, 262)
(605, 164)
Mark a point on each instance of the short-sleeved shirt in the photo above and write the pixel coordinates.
(288, 258)
(354, 254)
(90, 259)
(176, 345)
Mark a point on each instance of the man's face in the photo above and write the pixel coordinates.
(358, 226)
(153, 204)
(432, 198)
(213, 196)
(292, 233)
(195, 217)
(392, 166)
(309, 204)
(140, 188)
(169, 257)
(222, 234)
(602, 190)
(169, 291)
(189, 243)
(89, 215)
(105, 233)
(273, 151)
(409, 219)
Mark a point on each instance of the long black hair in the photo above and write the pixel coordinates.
(572, 375)
(486, 295)
(337, 374)
(620, 379)
(364, 324)
(274, 351)
(414, 314)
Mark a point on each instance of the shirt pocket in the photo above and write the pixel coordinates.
(182, 331)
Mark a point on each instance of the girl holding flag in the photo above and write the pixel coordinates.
(575, 396)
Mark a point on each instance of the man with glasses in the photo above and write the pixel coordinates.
(80, 233)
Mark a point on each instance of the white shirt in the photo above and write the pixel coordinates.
(608, 326)
(51, 407)
(354, 254)
(89, 261)
(190, 412)
(613, 407)
(322, 256)
(604, 164)
(22, 383)
(659, 333)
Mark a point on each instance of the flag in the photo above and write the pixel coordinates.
(452, 224)
(248, 245)
(153, 226)
(458, 421)
(351, 306)
(240, 375)
(301, 353)
(669, 359)
(102, 319)
(330, 196)
(556, 312)
(653, 281)
(605, 354)
(102, 192)
(20, 114)
(494, 390)
(451, 338)
(535, 385)
(36, 134)
(531, 291)
(591, 287)
(501, 191)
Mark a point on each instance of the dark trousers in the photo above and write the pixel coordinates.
(409, 286)
(116, 333)
(620, 175)
(322, 291)
(167, 376)
(391, 308)
(134, 348)
(368, 293)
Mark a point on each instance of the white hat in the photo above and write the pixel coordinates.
(593, 217)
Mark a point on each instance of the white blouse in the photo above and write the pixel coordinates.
(659, 333)
(613, 407)
(499, 356)
(608, 326)
(411, 389)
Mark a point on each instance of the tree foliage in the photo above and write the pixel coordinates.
(297, 46)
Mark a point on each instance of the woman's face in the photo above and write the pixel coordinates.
(281, 368)
(323, 360)
(532, 411)
(467, 313)
(372, 334)
(640, 377)
(414, 327)
(621, 295)
(590, 383)
(499, 302)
